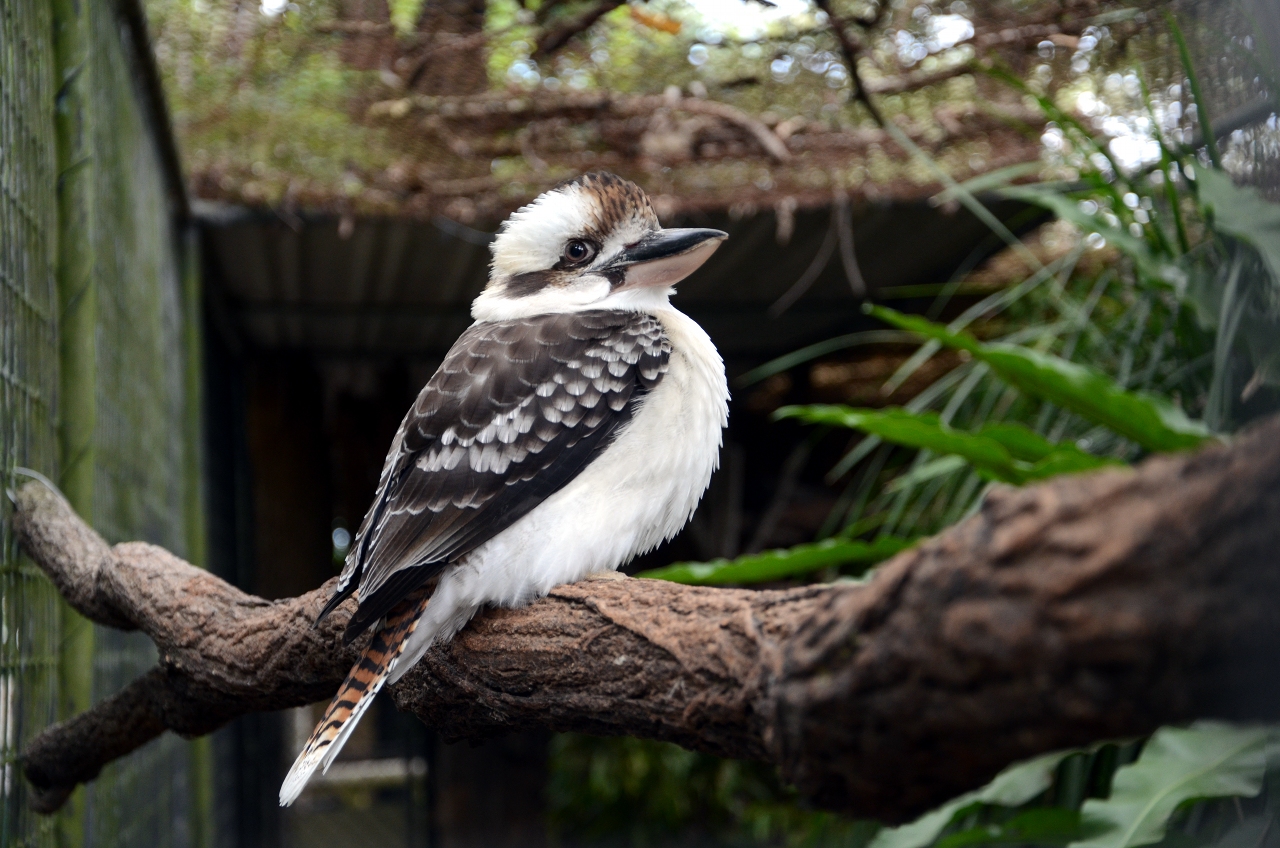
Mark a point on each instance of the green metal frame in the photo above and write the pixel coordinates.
(77, 330)
(100, 375)
(201, 753)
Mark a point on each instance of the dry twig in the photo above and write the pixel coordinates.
(850, 49)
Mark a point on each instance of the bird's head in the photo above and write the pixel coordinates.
(593, 242)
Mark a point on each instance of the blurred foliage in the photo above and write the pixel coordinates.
(1175, 337)
(1010, 453)
(1182, 323)
(259, 96)
(1114, 796)
(1207, 760)
(1149, 420)
(311, 105)
(638, 792)
(1015, 786)
(788, 63)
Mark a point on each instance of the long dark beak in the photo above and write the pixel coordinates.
(665, 257)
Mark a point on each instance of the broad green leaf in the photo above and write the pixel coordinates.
(1207, 760)
(1010, 453)
(1025, 443)
(1241, 305)
(1243, 213)
(1150, 421)
(1069, 210)
(1012, 787)
(1068, 462)
(1038, 826)
(914, 430)
(780, 564)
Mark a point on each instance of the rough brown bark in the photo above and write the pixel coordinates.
(1087, 607)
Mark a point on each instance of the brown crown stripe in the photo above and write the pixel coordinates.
(616, 200)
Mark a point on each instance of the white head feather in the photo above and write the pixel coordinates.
(606, 210)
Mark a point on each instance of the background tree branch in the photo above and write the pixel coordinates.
(1087, 607)
(556, 37)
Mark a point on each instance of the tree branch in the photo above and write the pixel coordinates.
(557, 37)
(851, 48)
(522, 111)
(1087, 607)
(918, 80)
(765, 137)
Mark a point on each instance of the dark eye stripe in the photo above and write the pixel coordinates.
(532, 282)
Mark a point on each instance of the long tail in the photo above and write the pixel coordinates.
(362, 684)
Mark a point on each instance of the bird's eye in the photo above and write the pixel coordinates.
(578, 251)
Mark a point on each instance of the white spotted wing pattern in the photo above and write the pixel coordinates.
(516, 411)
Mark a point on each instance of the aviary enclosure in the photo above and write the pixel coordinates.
(982, 256)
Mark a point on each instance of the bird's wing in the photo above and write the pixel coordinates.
(516, 411)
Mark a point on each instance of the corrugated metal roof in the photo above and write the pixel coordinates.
(397, 287)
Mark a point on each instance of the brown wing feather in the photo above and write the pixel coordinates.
(516, 411)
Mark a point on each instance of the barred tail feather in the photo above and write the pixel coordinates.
(356, 694)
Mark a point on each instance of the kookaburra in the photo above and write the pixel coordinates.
(573, 426)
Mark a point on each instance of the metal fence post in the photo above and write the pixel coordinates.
(77, 301)
(201, 755)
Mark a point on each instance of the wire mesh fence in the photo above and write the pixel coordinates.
(140, 385)
(28, 383)
(1235, 49)
(139, 438)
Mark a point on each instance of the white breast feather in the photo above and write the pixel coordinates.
(637, 494)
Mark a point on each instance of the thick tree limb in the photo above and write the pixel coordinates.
(1088, 607)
